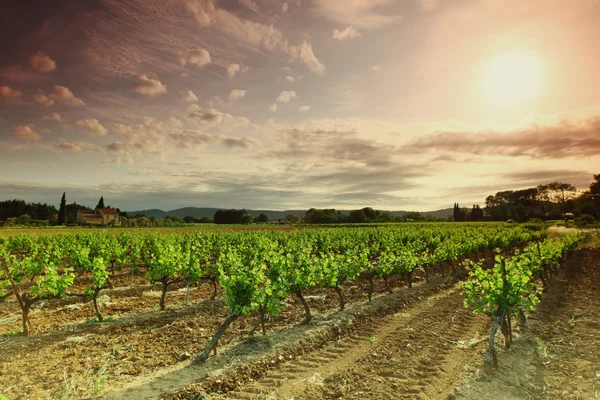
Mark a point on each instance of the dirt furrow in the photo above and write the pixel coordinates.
(403, 355)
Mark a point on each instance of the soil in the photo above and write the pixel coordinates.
(418, 343)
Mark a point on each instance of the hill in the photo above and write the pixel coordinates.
(201, 212)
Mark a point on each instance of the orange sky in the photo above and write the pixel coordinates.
(408, 104)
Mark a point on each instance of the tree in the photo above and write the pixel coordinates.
(292, 219)
(62, 211)
(262, 218)
(561, 192)
(358, 216)
(232, 217)
(370, 213)
(24, 219)
(100, 203)
(413, 216)
(476, 213)
(458, 214)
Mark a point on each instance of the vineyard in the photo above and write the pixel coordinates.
(186, 293)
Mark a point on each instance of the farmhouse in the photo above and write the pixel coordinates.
(99, 216)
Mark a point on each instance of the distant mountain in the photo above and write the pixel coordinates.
(199, 212)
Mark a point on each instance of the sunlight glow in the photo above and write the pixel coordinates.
(512, 79)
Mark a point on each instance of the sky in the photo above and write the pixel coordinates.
(292, 104)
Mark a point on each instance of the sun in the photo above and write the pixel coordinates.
(512, 79)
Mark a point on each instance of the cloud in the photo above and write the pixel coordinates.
(26, 132)
(42, 62)
(191, 139)
(567, 138)
(11, 95)
(284, 7)
(63, 95)
(376, 68)
(212, 118)
(580, 179)
(93, 126)
(348, 33)
(149, 87)
(197, 57)
(189, 97)
(305, 54)
(54, 117)
(42, 99)
(249, 4)
(290, 78)
(255, 34)
(192, 108)
(236, 94)
(304, 108)
(78, 146)
(145, 138)
(360, 13)
(242, 143)
(429, 5)
(273, 107)
(286, 96)
(233, 69)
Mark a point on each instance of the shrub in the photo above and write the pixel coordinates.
(584, 220)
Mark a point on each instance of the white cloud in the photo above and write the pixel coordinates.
(10, 94)
(305, 54)
(249, 4)
(197, 57)
(284, 7)
(254, 33)
(289, 78)
(77, 146)
(26, 132)
(174, 123)
(149, 87)
(286, 96)
(193, 138)
(304, 108)
(55, 117)
(193, 108)
(42, 62)
(236, 94)
(348, 33)
(93, 126)
(360, 13)
(273, 107)
(212, 118)
(189, 97)
(58, 94)
(234, 68)
(42, 99)
(64, 96)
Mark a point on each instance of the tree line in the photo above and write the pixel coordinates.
(549, 201)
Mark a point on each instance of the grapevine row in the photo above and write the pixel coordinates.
(257, 270)
(512, 285)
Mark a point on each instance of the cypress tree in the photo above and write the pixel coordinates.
(62, 211)
(100, 203)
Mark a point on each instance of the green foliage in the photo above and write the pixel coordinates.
(511, 285)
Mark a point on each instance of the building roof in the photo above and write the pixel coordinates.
(107, 211)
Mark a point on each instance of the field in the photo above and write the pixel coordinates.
(418, 342)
